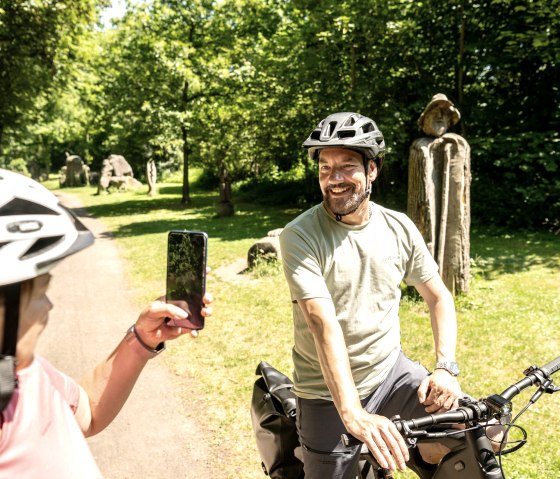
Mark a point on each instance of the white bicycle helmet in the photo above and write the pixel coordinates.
(348, 130)
(36, 231)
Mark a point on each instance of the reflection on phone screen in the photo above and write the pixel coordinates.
(186, 270)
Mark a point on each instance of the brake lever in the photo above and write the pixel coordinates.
(543, 378)
(551, 388)
(546, 387)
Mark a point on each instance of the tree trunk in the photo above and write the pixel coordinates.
(225, 206)
(185, 199)
(1, 138)
(461, 61)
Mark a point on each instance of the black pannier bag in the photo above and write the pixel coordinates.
(273, 414)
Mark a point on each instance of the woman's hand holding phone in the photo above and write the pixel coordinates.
(183, 322)
(161, 321)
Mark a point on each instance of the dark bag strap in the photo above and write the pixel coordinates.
(280, 387)
(8, 380)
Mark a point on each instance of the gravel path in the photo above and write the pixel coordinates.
(93, 308)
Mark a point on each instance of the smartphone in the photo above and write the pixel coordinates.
(186, 274)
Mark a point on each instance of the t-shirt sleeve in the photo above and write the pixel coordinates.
(421, 266)
(65, 385)
(301, 266)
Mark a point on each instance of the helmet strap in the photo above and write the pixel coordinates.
(8, 378)
(12, 293)
(367, 192)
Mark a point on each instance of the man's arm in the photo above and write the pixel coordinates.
(440, 390)
(104, 391)
(378, 432)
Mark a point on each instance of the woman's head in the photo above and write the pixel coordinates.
(36, 232)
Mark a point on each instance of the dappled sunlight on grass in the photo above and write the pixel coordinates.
(508, 321)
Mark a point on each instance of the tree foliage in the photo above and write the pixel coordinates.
(235, 86)
(36, 40)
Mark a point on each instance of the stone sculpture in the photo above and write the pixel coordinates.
(267, 248)
(116, 172)
(74, 173)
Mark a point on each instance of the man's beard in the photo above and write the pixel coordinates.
(344, 206)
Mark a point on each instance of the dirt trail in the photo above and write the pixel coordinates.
(93, 308)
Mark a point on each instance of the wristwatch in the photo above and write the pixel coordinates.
(450, 366)
(135, 341)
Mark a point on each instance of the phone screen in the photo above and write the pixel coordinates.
(186, 274)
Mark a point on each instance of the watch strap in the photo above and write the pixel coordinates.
(137, 343)
(450, 366)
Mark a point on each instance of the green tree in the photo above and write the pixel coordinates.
(33, 39)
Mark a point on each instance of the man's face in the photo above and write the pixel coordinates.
(342, 179)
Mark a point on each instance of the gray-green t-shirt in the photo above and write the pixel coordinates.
(360, 268)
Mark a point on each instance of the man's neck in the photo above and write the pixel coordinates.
(359, 217)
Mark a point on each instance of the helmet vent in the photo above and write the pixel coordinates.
(19, 206)
(346, 134)
(368, 127)
(42, 245)
(332, 128)
(316, 135)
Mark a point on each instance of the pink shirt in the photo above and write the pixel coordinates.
(40, 436)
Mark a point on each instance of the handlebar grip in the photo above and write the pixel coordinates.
(455, 416)
(552, 366)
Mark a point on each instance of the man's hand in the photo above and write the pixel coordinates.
(152, 324)
(439, 392)
(381, 437)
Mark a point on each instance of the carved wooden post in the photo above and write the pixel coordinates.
(439, 192)
(151, 175)
(225, 206)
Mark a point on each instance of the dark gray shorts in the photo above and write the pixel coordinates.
(320, 427)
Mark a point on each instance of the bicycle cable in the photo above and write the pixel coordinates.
(523, 441)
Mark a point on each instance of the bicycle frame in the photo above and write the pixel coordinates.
(470, 457)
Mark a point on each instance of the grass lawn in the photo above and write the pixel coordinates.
(510, 319)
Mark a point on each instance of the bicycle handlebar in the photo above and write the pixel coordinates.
(471, 411)
(552, 367)
(486, 408)
(413, 427)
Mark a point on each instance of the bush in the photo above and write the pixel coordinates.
(516, 181)
(19, 166)
(296, 187)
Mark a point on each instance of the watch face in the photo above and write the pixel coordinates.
(452, 367)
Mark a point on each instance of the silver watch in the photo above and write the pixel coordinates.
(450, 366)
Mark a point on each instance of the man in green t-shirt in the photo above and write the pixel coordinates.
(344, 261)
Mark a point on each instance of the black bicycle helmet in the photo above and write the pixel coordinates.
(36, 232)
(348, 130)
